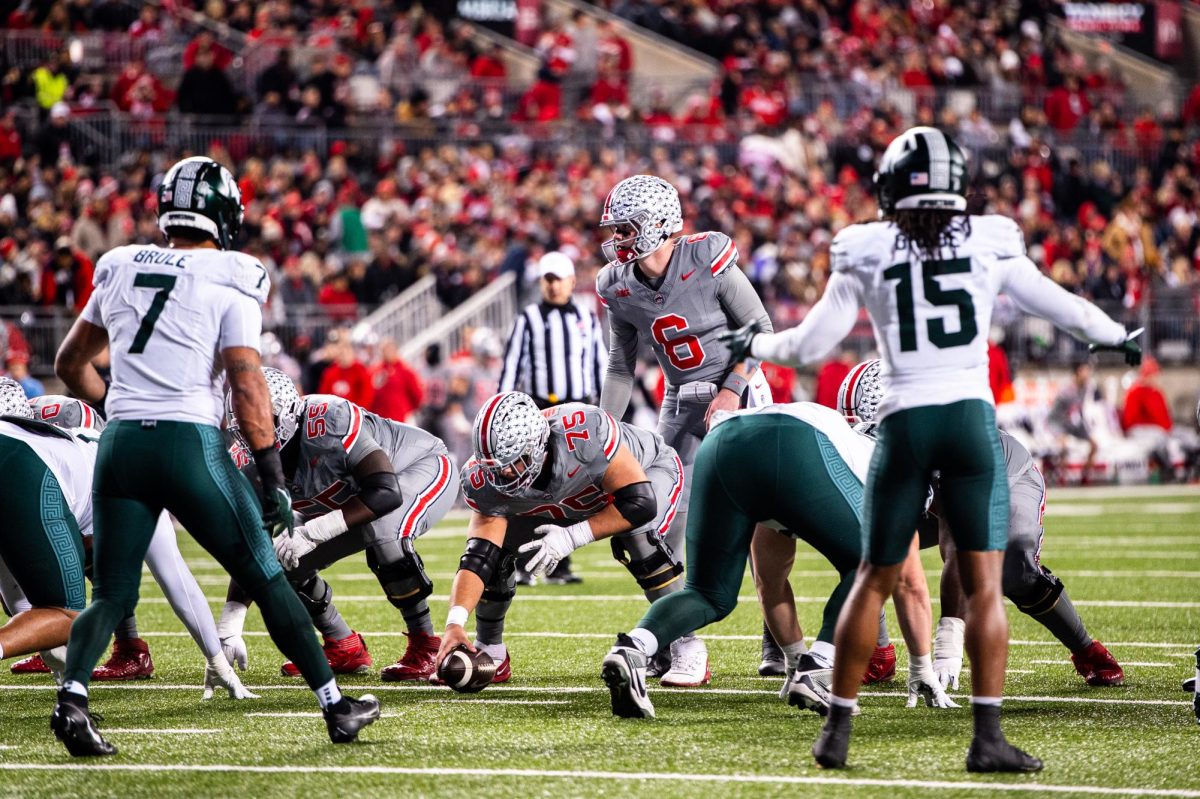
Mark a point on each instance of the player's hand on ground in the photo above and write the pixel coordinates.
(218, 674)
(554, 544)
(738, 341)
(928, 690)
(725, 400)
(277, 512)
(452, 636)
(290, 548)
(947, 670)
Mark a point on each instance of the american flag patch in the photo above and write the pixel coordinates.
(918, 179)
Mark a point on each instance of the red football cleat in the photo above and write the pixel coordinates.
(347, 656)
(418, 661)
(1097, 666)
(130, 661)
(882, 666)
(30, 665)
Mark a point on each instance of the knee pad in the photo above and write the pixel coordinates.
(648, 559)
(1034, 591)
(503, 585)
(316, 595)
(404, 581)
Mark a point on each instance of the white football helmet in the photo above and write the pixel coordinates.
(12, 399)
(861, 392)
(509, 441)
(66, 412)
(647, 204)
(285, 407)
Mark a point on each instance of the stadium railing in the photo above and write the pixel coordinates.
(405, 316)
(493, 306)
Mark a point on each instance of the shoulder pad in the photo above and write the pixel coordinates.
(607, 283)
(713, 249)
(330, 421)
(589, 432)
(856, 245)
(999, 234)
(246, 274)
(108, 264)
(477, 492)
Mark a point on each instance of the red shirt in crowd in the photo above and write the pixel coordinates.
(1064, 108)
(1145, 405)
(999, 374)
(829, 380)
(782, 381)
(340, 304)
(352, 382)
(398, 390)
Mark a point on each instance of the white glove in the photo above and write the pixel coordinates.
(290, 548)
(219, 674)
(229, 630)
(923, 684)
(948, 651)
(554, 545)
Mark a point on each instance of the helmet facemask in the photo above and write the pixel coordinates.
(646, 211)
(633, 239)
(510, 437)
(285, 408)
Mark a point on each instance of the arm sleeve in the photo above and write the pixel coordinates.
(241, 324)
(618, 382)
(1039, 295)
(830, 321)
(742, 304)
(600, 356)
(514, 355)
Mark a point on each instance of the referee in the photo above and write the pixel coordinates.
(555, 354)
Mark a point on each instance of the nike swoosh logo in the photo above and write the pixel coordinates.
(573, 471)
(689, 274)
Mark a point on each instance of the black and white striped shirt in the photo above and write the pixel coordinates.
(556, 354)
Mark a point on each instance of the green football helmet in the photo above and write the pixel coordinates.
(200, 193)
(922, 168)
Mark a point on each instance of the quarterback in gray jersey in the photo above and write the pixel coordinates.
(360, 482)
(547, 482)
(1025, 581)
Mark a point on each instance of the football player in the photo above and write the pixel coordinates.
(928, 274)
(799, 468)
(676, 293)
(178, 321)
(1026, 582)
(360, 482)
(131, 656)
(565, 477)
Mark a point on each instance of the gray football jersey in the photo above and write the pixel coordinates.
(682, 318)
(583, 441)
(1017, 460)
(335, 435)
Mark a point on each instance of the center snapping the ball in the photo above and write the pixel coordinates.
(465, 671)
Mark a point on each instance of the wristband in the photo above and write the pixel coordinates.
(736, 383)
(270, 468)
(457, 615)
(580, 533)
(325, 527)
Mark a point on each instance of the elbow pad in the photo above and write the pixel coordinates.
(380, 492)
(481, 557)
(636, 503)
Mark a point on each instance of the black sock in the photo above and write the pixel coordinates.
(839, 717)
(987, 722)
(416, 618)
(127, 629)
(66, 697)
(1064, 623)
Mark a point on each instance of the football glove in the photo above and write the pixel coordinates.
(218, 674)
(229, 630)
(927, 688)
(277, 511)
(947, 651)
(739, 341)
(290, 548)
(555, 544)
(1129, 348)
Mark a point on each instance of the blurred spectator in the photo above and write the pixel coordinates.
(206, 89)
(297, 289)
(10, 138)
(398, 390)
(781, 380)
(347, 376)
(1067, 417)
(337, 299)
(54, 140)
(1145, 403)
(18, 369)
(51, 80)
(281, 79)
(830, 377)
(68, 279)
(543, 101)
(999, 372)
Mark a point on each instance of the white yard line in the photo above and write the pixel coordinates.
(986, 785)
(1100, 493)
(164, 731)
(1140, 508)
(1142, 663)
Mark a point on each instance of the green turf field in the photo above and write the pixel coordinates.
(1131, 562)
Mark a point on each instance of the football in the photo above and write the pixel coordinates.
(465, 671)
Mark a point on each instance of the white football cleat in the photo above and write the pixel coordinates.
(808, 687)
(689, 664)
(624, 671)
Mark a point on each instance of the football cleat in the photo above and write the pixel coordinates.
(30, 665)
(996, 756)
(809, 685)
(418, 661)
(773, 664)
(882, 666)
(347, 656)
(130, 661)
(689, 664)
(1097, 666)
(833, 744)
(624, 672)
(348, 716)
(659, 663)
(1188, 685)
(76, 728)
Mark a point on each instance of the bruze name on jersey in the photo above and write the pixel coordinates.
(583, 441)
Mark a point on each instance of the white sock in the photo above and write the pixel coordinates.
(497, 652)
(1, 651)
(840, 701)
(994, 701)
(328, 694)
(1198, 679)
(823, 652)
(646, 641)
(55, 659)
(792, 654)
(77, 688)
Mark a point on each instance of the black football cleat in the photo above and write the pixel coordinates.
(660, 663)
(773, 663)
(1196, 707)
(348, 716)
(76, 728)
(833, 744)
(624, 672)
(1189, 685)
(999, 756)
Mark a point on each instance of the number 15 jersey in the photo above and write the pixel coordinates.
(169, 313)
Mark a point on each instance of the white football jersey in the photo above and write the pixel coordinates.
(70, 460)
(931, 318)
(169, 313)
